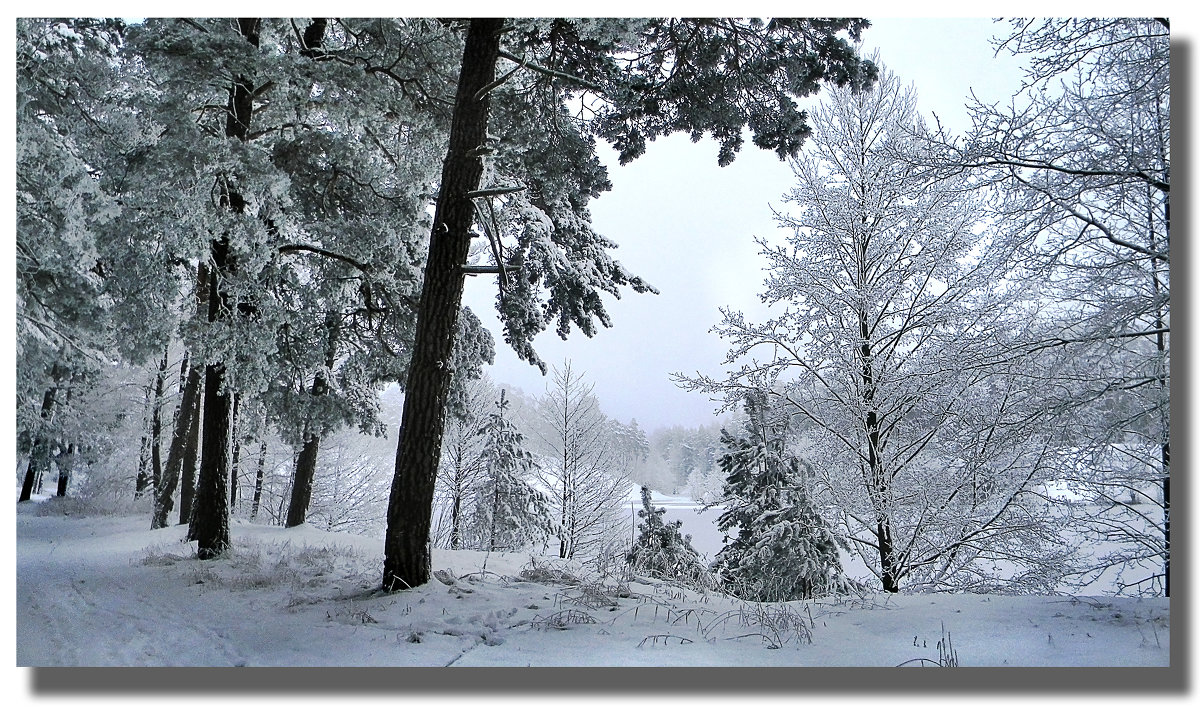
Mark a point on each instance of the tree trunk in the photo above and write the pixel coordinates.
(235, 444)
(191, 449)
(209, 523)
(176, 455)
(878, 478)
(306, 463)
(191, 440)
(39, 455)
(456, 522)
(564, 541)
(407, 561)
(160, 382)
(1160, 343)
(210, 509)
(1166, 492)
(210, 512)
(887, 563)
(306, 468)
(142, 480)
(65, 468)
(258, 479)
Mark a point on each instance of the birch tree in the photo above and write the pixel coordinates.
(1082, 157)
(463, 463)
(894, 307)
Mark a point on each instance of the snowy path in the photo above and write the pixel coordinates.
(73, 588)
(83, 598)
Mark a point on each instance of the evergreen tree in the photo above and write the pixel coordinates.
(64, 325)
(661, 550)
(783, 549)
(510, 513)
(314, 242)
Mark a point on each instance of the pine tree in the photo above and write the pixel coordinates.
(783, 549)
(510, 514)
(661, 550)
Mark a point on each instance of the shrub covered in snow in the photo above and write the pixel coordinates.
(661, 550)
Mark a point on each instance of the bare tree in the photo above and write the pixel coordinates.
(890, 349)
(462, 468)
(1082, 161)
(350, 493)
(582, 464)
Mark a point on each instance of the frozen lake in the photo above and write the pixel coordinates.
(700, 524)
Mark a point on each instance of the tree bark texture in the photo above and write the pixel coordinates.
(306, 462)
(407, 561)
(258, 479)
(210, 506)
(210, 511)
(306, 468)
(66, 467)
(235, 444)
(879, 479)
(142, 481)
(191, 453)
(160, 382)
(176, 453)
(39, 456)
(191, 439)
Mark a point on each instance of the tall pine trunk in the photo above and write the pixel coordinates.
(191, 453)
(407, 560)
(306, 463)
(66, 466)
(210, 505)
(258, 479)
(306, 468)
(191, 425)
(176, 453)
(39, 455)
(235, 444)
(160, 381)
(210, 512)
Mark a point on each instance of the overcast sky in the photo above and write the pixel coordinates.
(689, 227)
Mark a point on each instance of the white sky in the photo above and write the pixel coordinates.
(689, 227)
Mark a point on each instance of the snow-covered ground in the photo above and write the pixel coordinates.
(106, 591)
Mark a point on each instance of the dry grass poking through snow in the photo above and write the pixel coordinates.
(106, 591)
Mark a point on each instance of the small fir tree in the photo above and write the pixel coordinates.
(661, 550)
(509, 512)
(783, 549)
